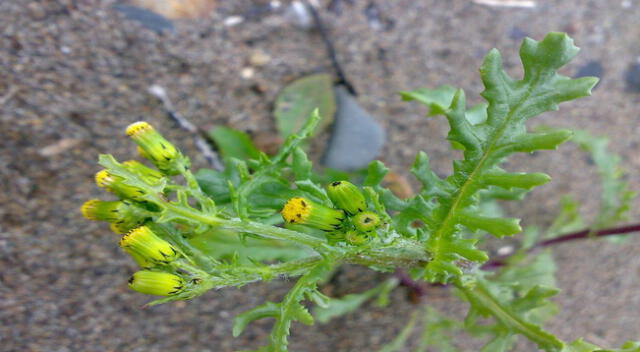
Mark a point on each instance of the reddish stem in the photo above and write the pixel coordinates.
(579, 235)
(418, 289)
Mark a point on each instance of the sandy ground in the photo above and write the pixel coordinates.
(73, 74)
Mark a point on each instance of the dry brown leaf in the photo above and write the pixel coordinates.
(177, 9)
(398, 184)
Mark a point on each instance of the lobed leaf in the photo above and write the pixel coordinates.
(486, 144)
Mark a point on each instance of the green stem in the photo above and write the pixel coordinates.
(478, 293)
(275, 233)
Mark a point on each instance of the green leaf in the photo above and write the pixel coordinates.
(351, 302)
(267, 310)
(438, 101)
(485, 302)
(487, 144)
(300, 98)
(233, 143)
(287, 311)
(375, 173)
(438, 332)
(616, 195)
(301, 165)
(224, 245)
(498, 227)
(400, 341)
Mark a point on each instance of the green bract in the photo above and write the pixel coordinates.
(221, 229)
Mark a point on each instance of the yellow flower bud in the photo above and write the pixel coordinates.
(345, 195)
(151, 176)
(156, 283)
(305, 212)
(153, 146)
(147, 248)
(366, 221)
(123, 215)
(115, 184)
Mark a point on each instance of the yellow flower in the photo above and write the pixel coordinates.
(303, 211)
(123, 215)
(147, 248)
(116, 184)
(153, 146)
(156, 283)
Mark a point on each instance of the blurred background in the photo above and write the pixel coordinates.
(75, 73)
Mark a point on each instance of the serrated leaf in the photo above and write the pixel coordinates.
(300, 98)
(266, 310)
(484, 302)
(438, 332)
(375, 173)
(351, 302)
(234, 143)
(498, 227)
(487, 144)
(515, 180)
(400, 341)
(439, 99)
(432, 185)
(301, 165)
(616, 195)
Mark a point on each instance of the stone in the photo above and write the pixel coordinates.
(148, 19)
(632, 77)
(357, 138)
(592, 68)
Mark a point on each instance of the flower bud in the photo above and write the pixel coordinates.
(123, 215)
(150, 176)
(147, 248)
(153, 146)
(156, 283)
(302, 211)
(366, 221)
(356, 238)
(115, 184)
(345, 195)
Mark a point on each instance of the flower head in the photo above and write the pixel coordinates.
(147, 248)
(116, 184)
(156, 283)
(366, 221)
(123, 215)
(303, 211)
(153, 146)
(345, 195)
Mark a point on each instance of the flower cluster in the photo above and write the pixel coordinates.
(131, 213)
(349, 220)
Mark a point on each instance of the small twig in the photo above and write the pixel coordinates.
(331, 51)
(10, 93)
(507, 3)
(199, 136)
(579, 235)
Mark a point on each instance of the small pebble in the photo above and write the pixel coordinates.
(590, 69)
(298, 15)
(357, 138)
(247, 73)
(632, 77)
(233, 21)
(259, 58)
(517, 34)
